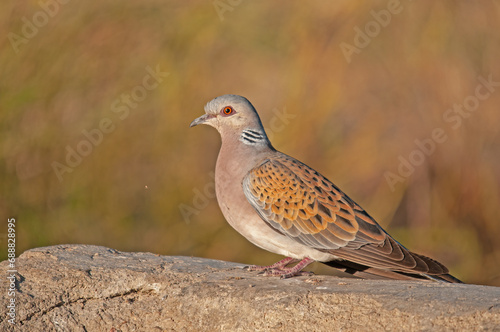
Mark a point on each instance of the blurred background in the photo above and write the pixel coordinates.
(396, 103)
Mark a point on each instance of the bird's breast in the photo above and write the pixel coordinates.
(240, 214)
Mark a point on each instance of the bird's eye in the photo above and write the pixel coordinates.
(228, 110)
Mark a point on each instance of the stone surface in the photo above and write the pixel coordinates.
(91, 288)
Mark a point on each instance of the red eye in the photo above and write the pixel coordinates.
(228, 110)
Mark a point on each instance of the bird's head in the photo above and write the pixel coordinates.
(233, 116)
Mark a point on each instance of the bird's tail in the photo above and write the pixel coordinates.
(367, 272)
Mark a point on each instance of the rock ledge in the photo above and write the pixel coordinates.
(92, 288)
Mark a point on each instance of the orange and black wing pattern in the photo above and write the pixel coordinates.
(302, 204)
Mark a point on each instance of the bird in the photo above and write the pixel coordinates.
(286, 207)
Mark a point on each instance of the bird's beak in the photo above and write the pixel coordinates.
(201, 120)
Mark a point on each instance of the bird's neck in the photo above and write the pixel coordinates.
(254, 137)
(240, 152)
(246, 138)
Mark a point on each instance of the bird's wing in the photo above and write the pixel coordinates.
(299, 202)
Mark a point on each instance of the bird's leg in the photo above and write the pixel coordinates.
(278, 265)
(287, 272)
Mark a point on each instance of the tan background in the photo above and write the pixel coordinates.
(351, 120)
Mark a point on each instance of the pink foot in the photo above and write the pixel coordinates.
(280, 269)
(279, 265)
